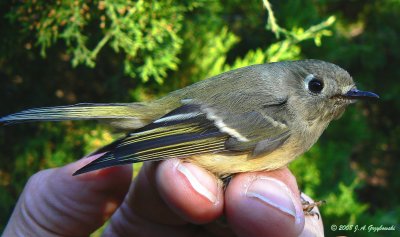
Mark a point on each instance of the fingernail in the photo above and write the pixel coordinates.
(197, 185)
(274, 193)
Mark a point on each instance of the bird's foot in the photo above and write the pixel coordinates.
(309, 206)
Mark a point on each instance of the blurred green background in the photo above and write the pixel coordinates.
(65, 52)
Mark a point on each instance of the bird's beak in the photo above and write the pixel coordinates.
(357, 94)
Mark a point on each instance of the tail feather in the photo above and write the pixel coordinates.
(119, 115)
(70, 112)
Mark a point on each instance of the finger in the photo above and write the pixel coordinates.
(313, 226)
(165, 197)
(264, 204)
(55, 203)
(190, 191)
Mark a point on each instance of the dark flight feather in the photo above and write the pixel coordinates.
(171, 136)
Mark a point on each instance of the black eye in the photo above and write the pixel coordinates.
(315, 85)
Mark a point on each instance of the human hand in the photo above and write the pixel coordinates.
(168, 198)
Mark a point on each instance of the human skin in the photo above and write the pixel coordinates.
(168, 198)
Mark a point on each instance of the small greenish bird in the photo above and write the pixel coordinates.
(259, 117)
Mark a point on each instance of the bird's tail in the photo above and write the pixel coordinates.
(119, 115)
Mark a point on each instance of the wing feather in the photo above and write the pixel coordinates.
(194, 128)
(174, 136)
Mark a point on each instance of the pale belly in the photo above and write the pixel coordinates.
(224, 164)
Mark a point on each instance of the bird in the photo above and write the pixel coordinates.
(258, 117)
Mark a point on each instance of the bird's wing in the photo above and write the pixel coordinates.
(183, 132)
(261, 129)
(192, 128)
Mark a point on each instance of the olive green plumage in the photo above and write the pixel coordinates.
(258, 117)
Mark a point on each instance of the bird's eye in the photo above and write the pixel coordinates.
(315, 85)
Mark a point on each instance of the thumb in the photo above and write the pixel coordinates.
(55, 203)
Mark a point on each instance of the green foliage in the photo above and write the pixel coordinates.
(64, 52)
(145, 32)
(344, 205)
